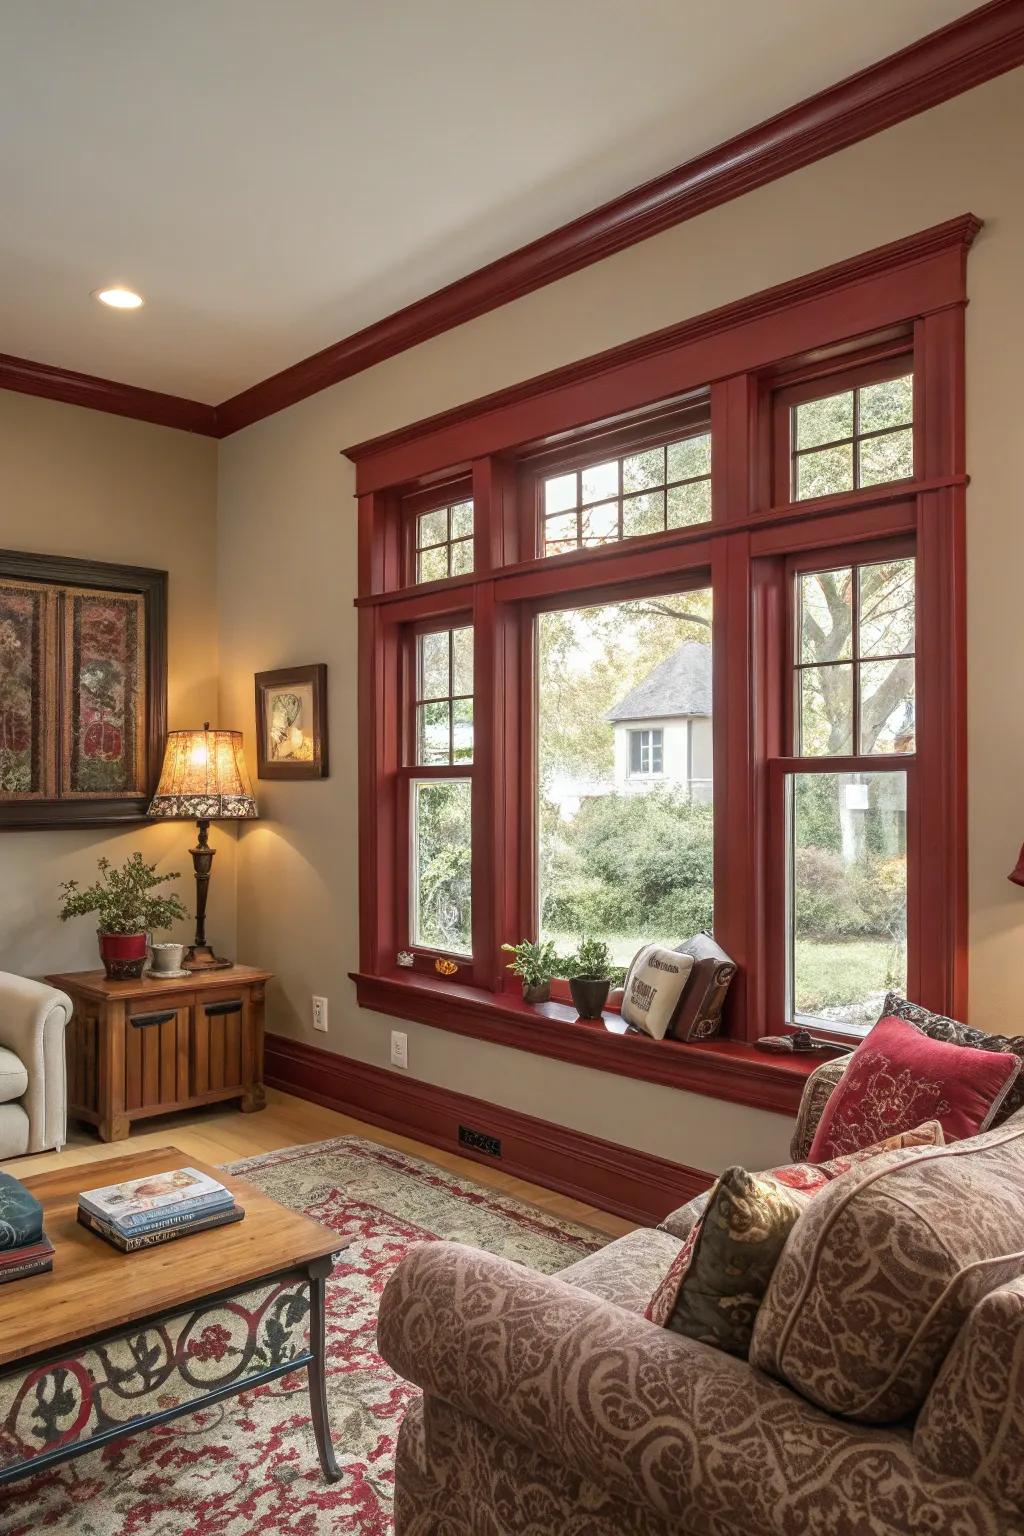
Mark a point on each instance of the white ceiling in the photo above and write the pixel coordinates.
(275, 174)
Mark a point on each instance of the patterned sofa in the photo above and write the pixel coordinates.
(551, 1407)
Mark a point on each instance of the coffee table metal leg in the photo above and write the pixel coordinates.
(317, 1369)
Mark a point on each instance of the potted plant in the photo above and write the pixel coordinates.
(590, 978)
(126, 910)
(535, 963)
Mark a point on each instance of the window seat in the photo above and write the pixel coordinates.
(720, 1069)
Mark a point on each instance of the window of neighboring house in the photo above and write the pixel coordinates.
(854, 438)
(440, 791)
(444, 542)
(853, 698)
(626, 867)
(646, 753)
(650, 491)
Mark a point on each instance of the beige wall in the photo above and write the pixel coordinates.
(77, 482)
(287, 576)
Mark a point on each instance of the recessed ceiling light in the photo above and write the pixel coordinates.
(119, 298)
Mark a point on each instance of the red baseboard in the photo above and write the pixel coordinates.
(635, 1185)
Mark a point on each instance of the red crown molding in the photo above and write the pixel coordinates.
(410, 450)
(637, 1185)
(975, 48)
(29, 378)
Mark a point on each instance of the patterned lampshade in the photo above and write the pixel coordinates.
(204, 778)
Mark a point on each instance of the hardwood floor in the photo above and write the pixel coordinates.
(223, 1135)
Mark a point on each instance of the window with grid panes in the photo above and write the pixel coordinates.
(858, 437)
(853, 699)
(625, 498)
(440, 805)
(444, 542)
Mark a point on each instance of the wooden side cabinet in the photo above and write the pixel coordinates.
(142, 1048)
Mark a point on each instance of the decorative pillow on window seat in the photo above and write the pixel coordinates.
(653, 989)
(719, 1277)
(898, 1077)
(938, 1027)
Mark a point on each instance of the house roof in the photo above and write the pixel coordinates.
(678, 686)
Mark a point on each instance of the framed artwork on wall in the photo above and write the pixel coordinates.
(291, 723)
(83, 690)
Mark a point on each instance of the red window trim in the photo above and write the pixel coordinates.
(920, 288)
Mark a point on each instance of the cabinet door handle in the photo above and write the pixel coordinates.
(144, 1020)
(213, 1010)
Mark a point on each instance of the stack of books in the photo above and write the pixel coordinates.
(24, 1249)
(141, 1213)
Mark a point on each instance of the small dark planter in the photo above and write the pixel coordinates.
(589, 993)
(123, 955)
(541, 993)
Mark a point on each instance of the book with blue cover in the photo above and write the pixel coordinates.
(175, 1215)
(21, 1215)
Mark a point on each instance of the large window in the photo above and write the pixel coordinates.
(642, 657)
(625, 850)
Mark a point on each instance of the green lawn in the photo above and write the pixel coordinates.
(833, 975)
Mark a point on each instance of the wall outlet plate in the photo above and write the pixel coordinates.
(320, 1014)
(399, 1049)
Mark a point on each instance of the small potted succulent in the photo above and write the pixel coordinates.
(590, 977)
(535, 964)
(126, 910)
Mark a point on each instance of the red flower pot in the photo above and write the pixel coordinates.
(123, 955)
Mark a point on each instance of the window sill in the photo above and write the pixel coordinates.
(719, 1069)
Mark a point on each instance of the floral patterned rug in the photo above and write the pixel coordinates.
(248, 1467)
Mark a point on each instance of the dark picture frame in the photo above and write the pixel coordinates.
(291, 702)
(59, 588)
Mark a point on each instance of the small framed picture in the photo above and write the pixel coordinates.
(291, 723)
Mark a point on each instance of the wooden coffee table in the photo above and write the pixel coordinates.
(184, 1325)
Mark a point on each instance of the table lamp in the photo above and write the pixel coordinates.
(204, 778)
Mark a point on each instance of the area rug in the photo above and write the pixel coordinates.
(248, 1467)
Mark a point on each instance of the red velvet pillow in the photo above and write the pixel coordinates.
(898, 1077)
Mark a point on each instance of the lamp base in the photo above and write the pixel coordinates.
(200, 957)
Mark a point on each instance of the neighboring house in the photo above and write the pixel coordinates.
(663, 725)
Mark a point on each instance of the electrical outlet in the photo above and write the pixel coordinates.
(399, 1049)
(320, 1014)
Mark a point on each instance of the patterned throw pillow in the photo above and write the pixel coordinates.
(937, 1027)
(653, 989)
(752, 1217)
(719, 1277)
(897, 1078)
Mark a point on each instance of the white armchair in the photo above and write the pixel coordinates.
(33, 1085)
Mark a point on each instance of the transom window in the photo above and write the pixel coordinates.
(444, 542)
(646, 492)
(646, 752)
(858, 437)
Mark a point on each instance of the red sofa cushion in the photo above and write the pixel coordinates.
(898, 1077)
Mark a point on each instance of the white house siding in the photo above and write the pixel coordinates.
(686, 758)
